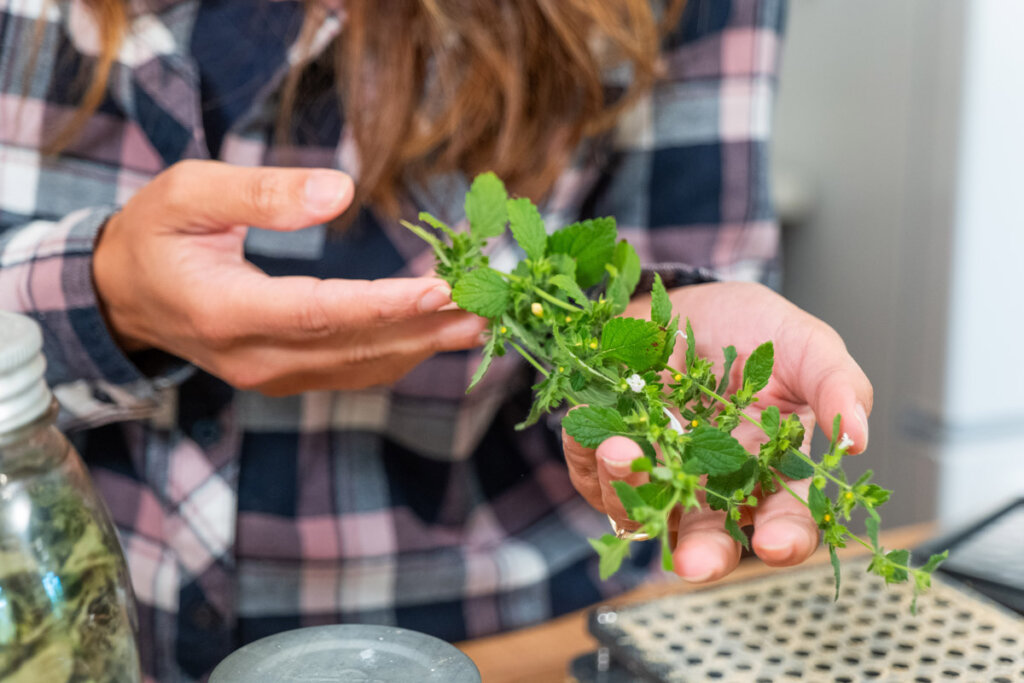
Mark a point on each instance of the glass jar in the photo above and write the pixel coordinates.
(67, 612)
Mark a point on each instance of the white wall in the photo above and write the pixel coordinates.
(868, 116)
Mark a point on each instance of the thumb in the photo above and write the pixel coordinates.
(212, 195)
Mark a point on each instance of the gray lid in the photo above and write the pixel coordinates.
(347, 652)
(24, 395)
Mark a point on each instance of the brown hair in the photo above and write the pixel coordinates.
(434, 86)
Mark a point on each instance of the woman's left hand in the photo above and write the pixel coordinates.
(814, 376)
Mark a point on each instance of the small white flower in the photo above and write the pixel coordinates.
(636, 382)
(845, 442)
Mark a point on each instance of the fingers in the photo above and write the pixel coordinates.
(830, 380)
(213, 195)
(784, 532)
(614, 457)
(704, 551)
(303, 308)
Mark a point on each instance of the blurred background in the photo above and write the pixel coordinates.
(898, 169)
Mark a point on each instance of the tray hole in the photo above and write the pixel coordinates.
(733, 633)
(837, 626)
(959, 633)
(883, 633)
(938, 621)
(676, 647)
(659, 634)
(715, 674)
(1008, 640)
(927, 659)
(724, 653)
(864, 621)
(851, 660)
(985, 647)
(809, 634)
(769, 609)
(942, 602)
(843, 679)
(933, 640)
(781, 640)
(857, 640)
(823, 666)
(953, 652)
(913, 628)
(804, 585)
(890, 615)
(793, 673)
(1001, 679)
(894, 597)
(979, 666)
(717, 621)
(878, 653)
(761, 627)
(905, 647)
(986, 628)
(901, 666)
(705, 640)
(830, 646)
(756, 647)
(802, 653)
(694, 661)
(790, 621)
(1005, 660)
(872, 673)
(723, 603)
(775, 659)
(922, 679)
(743, 666)
(963, 614)
(949, 673)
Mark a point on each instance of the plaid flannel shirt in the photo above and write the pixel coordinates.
(412, 504)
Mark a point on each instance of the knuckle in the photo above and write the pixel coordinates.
(265, 194)
(175, 183)
(248, 376)
(314, 318)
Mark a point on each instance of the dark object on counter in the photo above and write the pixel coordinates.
(784, 626)
(347, 652)
(988, 555)
(599, 667)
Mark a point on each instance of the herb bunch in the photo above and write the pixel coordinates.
(617, 370)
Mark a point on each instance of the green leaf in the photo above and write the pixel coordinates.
(528, 227)
(934, 561)
(628, 265)
(548, 395)
(482, 291)
(714, 452)
(642, 464)
(591, 425)
(770, 421)
(871, 524)
(631, 500)
(612, 551)
(835, 432)
(491, 349)
(591, 243)
(436, 223)
(656, 494)
(758, 368)
(625, 271)
(834, 558)
(661, 306)
(637, 343)
(691, 347)
(736, 532)
(873, 495)
(898, 557)
(818, 504)
(671, 334)
(569, 286)
(486, 206)
(725, 485)
(729, 353)
(793, 466)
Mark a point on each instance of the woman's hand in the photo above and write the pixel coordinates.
(813, 376)
(170, 273)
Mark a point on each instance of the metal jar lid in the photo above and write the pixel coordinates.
(24, 395)
(347, 652)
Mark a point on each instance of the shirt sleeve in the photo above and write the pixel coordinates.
(686, 172)
(46, 274)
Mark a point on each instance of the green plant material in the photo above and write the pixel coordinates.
(620, 367)
(63, 614)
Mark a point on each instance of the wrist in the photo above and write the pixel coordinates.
(107, 272)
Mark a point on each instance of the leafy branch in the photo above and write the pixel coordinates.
(619, 368)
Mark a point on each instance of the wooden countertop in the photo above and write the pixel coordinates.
(541, 654)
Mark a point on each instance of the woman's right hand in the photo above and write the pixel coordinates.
(170, 273)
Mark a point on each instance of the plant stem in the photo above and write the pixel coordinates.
(527, 356)
(429, 239)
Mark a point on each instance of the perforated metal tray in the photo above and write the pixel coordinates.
(785, 627)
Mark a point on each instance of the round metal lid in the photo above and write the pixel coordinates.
(347, 652)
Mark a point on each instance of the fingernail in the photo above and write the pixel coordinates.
(698, 578)
(862, 416)
(617, 468)
(324, 189)
(435, 299)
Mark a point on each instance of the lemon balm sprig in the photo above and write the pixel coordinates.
(585, 353)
